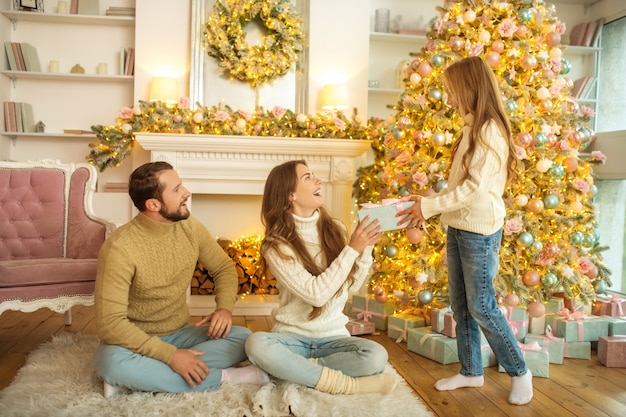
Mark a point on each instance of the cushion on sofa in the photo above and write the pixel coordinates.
(31, 272)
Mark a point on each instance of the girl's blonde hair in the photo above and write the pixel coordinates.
(475, 89)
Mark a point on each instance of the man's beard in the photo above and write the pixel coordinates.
(174, 216)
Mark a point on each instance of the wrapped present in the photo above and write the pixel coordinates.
(449, 325)
(359, 327)
(617, 325)
(386, 213)
(614, 306)
(537, 325)
(518, 320)
(398, 325)
(573, 304)
(554, 305)
(347, 310)
(537, 359)
(437, 317)
(554, 345)
(578, 327)
(489, 358)
(365, 307)
(424, 341)
(612, 351)
(577, 350)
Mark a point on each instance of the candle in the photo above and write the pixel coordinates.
(53, 66)
(62, 7)
(102, 68)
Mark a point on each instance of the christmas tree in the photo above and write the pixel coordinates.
(550, 241)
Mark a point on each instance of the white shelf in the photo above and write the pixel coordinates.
(25, 135)
(14, 17)
(384, 91)
(57, 76)
(580, 50)
(397, 38)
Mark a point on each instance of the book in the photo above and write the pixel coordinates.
(10, 57)
(19, 125)
(31, 58)
(7, 117)
(19, 58)
(588, 88)
(579, 86)
(28, 120)
(590, 31)
(577, 34)
(123, 52)
(129, 64)
(74, 7)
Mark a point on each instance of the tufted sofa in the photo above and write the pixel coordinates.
(49, 236)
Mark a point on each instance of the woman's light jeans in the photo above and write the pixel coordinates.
(121, 367)
(472, 265)
(287, 356)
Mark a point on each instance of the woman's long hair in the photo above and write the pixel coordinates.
(475, 89)
(277, 217)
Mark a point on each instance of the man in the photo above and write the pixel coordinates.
(142, 318)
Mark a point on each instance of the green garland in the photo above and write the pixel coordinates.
(225, 39)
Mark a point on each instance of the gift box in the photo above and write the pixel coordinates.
(537, 359)
(489, 358)
(554, 305)
(440, 348)
(537, 325)
(577, 350)
(518, 320)
(449, 325)
(359, 327)
(573, 304)
(437, 318)
(617, 325)
(576, 327)
(398, 325)
(554, 345)
(385, 213)
(614, 306)
(347, 310)
(365, 307)
(612, 351)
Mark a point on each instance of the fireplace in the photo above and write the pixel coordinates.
(239, 165)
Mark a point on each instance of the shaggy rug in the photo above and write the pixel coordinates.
(59, 380)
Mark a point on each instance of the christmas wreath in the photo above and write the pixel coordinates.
(225, 38)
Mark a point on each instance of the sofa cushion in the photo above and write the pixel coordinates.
(31, 272)
(32, 218)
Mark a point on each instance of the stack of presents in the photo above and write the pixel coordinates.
(568, 329)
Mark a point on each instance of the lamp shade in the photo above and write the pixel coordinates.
(164, 89)
(335, 97)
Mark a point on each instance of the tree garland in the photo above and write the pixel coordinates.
(225, 39)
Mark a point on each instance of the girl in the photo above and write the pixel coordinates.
(315, 266)
(473, 209)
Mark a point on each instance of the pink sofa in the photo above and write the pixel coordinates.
(49, 236)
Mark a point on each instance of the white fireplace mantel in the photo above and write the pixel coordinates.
(209, 164)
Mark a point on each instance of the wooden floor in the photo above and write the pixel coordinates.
(576, 388)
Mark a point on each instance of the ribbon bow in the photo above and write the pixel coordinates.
(532, 346)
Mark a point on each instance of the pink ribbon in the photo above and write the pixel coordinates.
(579, 317)
(615, 300)
(530, 347)
(514, 324)
(403, 332)
(549, 337)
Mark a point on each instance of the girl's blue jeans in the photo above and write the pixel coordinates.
(122, 367)
(286, 356)
(472, 265)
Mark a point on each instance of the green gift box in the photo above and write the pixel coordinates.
(424, 341)
(577, 350)
(518, 320)
(365, 307)
(554, 305)
(537, 360)
(581, 328)
(617, 325)
(554, 345)
(489, 358)
(398, 325)
(385, 213)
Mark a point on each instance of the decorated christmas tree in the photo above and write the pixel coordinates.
(550, 241)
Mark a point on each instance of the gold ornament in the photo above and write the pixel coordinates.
(275, 54)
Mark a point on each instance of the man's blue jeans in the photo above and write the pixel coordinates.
(472, 265)
(286, 356)
(120, 366)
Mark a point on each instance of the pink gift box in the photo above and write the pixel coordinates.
(449, 325)
(359, 327)
(612, 351)
(614, 306)
(437, 318)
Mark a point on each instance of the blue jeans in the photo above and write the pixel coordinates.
(286, 356)
(472, 265)
(120, 366)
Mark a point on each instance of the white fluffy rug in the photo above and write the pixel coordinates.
(59, 380)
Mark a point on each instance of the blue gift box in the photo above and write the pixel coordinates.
(581, 328)
(537, 360)
(365, 307)
(398, 325)
(554, 345)
(432, 345)
(386, 214)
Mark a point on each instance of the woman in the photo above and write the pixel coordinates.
(472, 208)
(315, 266)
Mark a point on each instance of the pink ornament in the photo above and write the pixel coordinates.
(535, 205)
(543, 93)
(529, 62)
(536, 309)
(570, 164)
(512, 300)
(414, 283)
(425, 69)
(492, 58)
(456, 43)
(531, 278)
(546, 105)
(415, 78)
(414, 235)
(381, 298)
(552, 249)
(524, 139)
(576, 206)
(378, 290)
(553, 39)
(497, 46)
(521, 30)
(555, 53)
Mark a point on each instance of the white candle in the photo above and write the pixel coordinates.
(102, 68)
(53, 66)
(62, 7)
